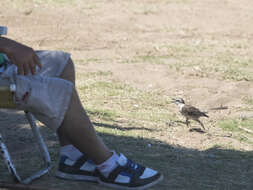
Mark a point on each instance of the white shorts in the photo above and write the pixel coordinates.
(45, 94)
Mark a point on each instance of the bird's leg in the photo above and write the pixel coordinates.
(202, 125)
(187, 122)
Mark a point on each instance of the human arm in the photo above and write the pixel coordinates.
(21, 55)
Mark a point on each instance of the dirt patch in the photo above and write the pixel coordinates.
(163, 45)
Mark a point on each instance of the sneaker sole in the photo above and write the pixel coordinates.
(131, 188)
(63, 175)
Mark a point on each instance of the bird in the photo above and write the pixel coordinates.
(189, 112)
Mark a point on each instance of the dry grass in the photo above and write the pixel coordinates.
(131, 58)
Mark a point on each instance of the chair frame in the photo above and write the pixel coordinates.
(7, 101)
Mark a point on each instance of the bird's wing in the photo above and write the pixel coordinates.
(192, 111)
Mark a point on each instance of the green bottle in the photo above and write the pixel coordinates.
(1, 59)
(3, 31)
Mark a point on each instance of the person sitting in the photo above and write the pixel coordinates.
(45, 86)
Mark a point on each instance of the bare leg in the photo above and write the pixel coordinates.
(67, 74)
(77, 129)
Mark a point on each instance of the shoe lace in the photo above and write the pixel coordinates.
(132, 167)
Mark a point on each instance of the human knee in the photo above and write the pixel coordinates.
(69, 71)
(70, 67)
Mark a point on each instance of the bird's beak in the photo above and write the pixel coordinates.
(173, 100)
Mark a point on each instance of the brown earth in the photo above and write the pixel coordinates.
(101, 35)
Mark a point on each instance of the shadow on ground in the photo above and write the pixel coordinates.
(183, 168)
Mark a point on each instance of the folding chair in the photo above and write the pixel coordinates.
(7, 101)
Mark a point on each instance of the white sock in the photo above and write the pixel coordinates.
(71, 152)
(110, 164)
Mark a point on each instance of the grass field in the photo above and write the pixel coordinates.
(131, 58)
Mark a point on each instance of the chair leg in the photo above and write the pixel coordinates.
(43, 149)
(39, 138)
(7, 159)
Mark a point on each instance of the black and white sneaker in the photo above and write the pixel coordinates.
(130, 175)
(81, 169)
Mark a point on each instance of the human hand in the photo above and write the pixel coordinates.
(23, 57)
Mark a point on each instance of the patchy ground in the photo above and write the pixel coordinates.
(154, 50)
